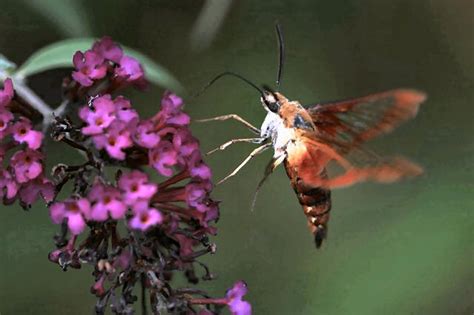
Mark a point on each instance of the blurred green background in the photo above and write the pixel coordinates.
(405, 248)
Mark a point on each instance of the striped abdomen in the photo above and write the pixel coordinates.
(306, 168)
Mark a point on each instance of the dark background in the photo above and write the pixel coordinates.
(405, 248)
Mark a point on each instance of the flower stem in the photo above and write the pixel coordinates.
(221, 301)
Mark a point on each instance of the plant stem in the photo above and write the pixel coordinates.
(29, 96)
(33, 99)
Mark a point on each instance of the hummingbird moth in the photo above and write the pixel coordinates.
(307, 139)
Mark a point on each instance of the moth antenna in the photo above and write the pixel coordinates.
(233, 74)
(281, 54)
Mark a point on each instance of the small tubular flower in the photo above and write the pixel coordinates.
(90, 66)
(114, 140)
(234, 296)
(6, 94)
(99, 117)
(106, 201)
(135, 186)
(27, 165)
(23, 133)
(76, 211)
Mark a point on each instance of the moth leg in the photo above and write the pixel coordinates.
(255, 152)
(228, 143)
(272, 165)
(235, 117)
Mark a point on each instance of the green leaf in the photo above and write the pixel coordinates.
(53, 56)
(6, 66)
(154, 72)
(59, 55)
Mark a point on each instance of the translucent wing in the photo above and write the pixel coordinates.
(346, 124)
(342, 126)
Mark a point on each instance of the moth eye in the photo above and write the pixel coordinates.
(273, 107)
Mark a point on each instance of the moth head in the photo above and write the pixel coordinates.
(271, 100)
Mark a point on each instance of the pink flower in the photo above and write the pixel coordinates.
(90, 66)
(171, 103)
(108, 49)
(23, 133)
(144, 219)
(74, 210)
(106, 200)
(163, 157)
(197, 168)
(185, 143)
(5, 118)
(171, 110)
(8, 185)
(146, 135)
(212, 214)
(135, 186)
(234, 299)
(27, 165)
(114, 140)
(129, 70)
(6, 94)
(197, 195)
(99, 117)
(39, 187)
(124, 110)
(98, 287)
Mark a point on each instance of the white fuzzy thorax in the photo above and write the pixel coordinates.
(273, 127)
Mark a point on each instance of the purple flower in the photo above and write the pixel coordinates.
(90, 66)
(114, 140)
(201, 171)
(129, 70)
(8, 185)
(5, 118)
(99, 117)
(135, 186)
(108, 49)
(212, 214)
(124, 110)
(145, 218)
(6, 94)
(23, 133)
(185, 143)
(32, 190)
(146, 135)
(171, 110)
(198, 169)
(163, 157)
(27, 165)
(106, 200)
(98, 287)
(74, 210)
(171, 103)
(197, 195)
(234, 299)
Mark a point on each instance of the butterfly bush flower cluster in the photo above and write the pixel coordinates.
(139, 208)
(21, 159)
